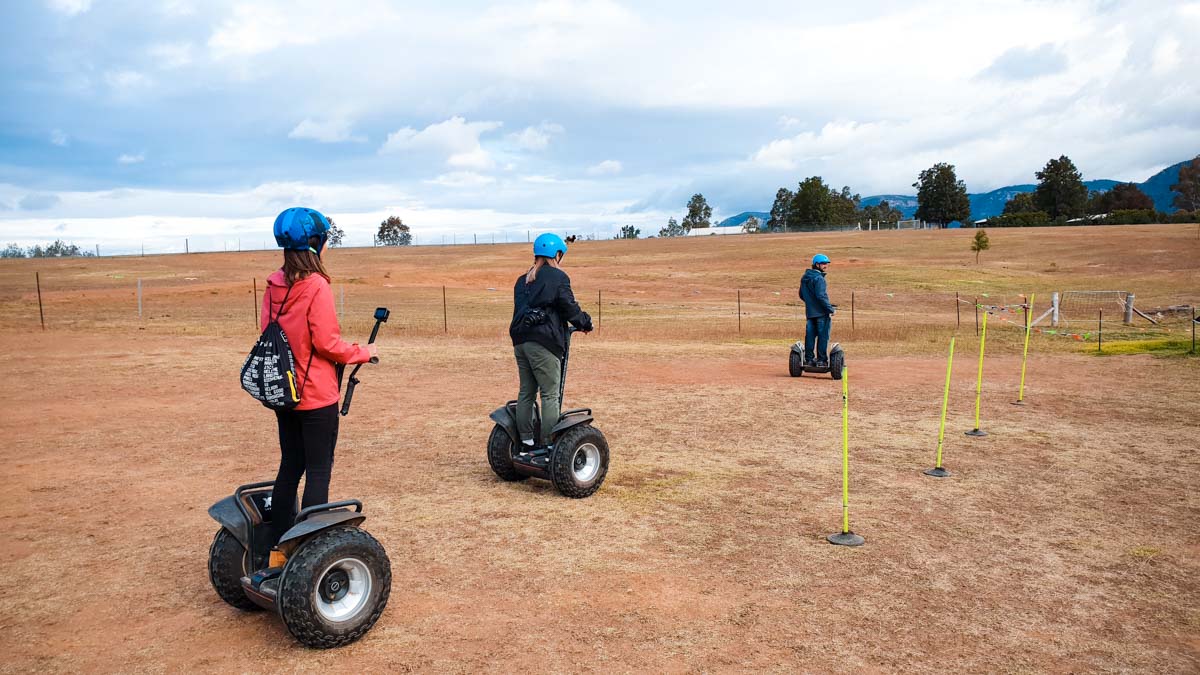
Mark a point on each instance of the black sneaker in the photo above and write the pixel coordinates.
(822, 364)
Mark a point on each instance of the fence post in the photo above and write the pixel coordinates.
(1128, 309)
(1100, 332)
(254, 281)
(977, 316)
(957, 310)
(1193, 329)
(37, 277)
(1054, 297)
(739, 303)
(852, 312)
(186, 248)
(445, 321)
(139, 297)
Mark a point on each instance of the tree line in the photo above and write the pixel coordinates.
(1060, 197)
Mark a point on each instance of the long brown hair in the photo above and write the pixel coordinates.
(538, 262)
(299, 264)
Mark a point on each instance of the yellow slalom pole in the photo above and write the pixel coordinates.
(937, 470)
(845, 537)
(1025, 354)
(979, 380)
(845, 452)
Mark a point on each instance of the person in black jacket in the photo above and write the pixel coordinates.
(819, 312)
(543, 304)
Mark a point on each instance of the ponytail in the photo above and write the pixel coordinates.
(538, 262)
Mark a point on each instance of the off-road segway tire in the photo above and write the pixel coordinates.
(580, 461)
(500, 455)
(796, 364)
(342, 560)
(228, 562)
(837, 361)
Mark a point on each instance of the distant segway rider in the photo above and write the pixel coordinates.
(299, 297)
(543, 304)
(818, 310)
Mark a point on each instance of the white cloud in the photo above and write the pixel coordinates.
(788, 122)
(608, 167)
(59, 138)
(268, 25)
(536, 138)
(132, 159)
(461, 179)
(834, 138)
(69, 7)
(170, 55)
(126, 80)
(329, 131)
(455, 137)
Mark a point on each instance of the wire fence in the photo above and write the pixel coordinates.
(191, 305)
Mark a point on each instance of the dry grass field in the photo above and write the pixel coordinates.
(1068, 540)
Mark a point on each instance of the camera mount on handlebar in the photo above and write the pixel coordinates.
(381, 316)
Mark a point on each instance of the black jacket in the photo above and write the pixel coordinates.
(812, 292)
(551, 293)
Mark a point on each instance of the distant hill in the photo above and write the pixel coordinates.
(988, 204)
(736, 221)
(1158, 187)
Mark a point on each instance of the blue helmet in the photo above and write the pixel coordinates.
(294, 226)
(820, 258)
(549, 245)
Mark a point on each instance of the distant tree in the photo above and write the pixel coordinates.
(883, 212)
(630, 232)
(698, 215)
(810, 204)
(393, 232)
(980, 244)
(780, 209)
(941, 197)
(336, 234)
(1123, 197)
(672, 229)
(843, 206)
(12, 251)
(59, 249)
(1188, 187)
(1060, 191)
(1022, 202)
(751, 224)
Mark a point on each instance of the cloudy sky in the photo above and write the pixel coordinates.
(148, 121)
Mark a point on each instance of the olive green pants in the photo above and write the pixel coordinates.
(540, 369)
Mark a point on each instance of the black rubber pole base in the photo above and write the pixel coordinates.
(1018, 402)
(937, 472)
(846, 539)
(976, 432)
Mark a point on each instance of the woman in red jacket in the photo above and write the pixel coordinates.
(299, 297)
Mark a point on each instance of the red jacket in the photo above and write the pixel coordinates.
(310, 320)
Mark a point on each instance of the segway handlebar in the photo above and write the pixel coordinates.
(381, 316)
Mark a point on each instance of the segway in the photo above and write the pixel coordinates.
(577, 459)
(336, 580)
(797, 366)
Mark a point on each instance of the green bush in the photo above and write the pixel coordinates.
(1132, 217)
(1023, 219)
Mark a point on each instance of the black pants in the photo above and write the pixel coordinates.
(306, 442)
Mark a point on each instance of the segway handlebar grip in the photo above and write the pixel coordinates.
(349, 395)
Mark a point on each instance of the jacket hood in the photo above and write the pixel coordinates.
(813, 272)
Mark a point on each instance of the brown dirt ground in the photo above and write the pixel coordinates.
(1066, 541)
